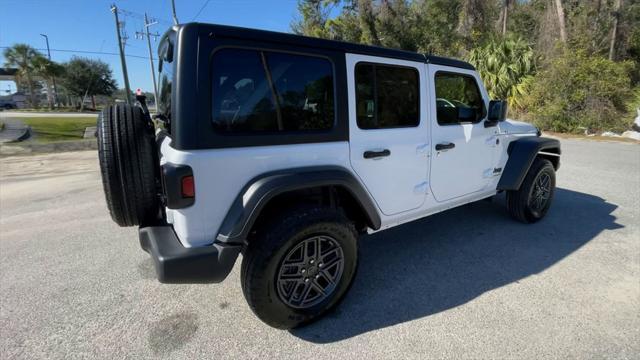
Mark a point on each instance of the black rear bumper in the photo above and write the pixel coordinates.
(176, 264)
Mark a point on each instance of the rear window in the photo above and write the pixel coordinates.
(262, 91)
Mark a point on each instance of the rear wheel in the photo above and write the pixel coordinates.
(128, 164)
(299, 266)
(531, 202)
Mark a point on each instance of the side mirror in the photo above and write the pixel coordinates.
(497, 111)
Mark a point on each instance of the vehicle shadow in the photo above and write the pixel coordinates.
(445, 260)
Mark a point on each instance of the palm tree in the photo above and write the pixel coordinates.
(506, 66)
(47, 69)
(22, 57)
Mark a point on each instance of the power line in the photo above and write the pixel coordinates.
(202, 8)
(140, 16)
(86, 52)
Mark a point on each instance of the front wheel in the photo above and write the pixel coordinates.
(299, 266)
(531, 202)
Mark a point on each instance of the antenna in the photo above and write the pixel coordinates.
(173, 10)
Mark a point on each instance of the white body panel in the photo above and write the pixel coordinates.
(402, 185)
(220, 174)
(397, 182)
(468, 167)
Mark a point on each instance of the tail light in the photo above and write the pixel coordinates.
(178, 185)
(188, 188)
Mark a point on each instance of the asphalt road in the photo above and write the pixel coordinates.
(467, 283)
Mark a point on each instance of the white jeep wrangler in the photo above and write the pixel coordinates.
(287, 148)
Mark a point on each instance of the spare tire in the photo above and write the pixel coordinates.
(129, 164)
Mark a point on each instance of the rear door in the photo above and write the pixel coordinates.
(463, 148)
(388, 130)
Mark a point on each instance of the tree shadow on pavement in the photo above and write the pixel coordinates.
(445, 260)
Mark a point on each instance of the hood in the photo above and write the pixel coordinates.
(510, 126)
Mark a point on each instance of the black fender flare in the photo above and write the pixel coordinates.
(521, 153)
(248, 204)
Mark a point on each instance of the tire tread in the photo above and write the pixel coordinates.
(260, 251)
(128, 165)
(517, 200)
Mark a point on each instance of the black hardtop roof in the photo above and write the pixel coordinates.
(299, 40)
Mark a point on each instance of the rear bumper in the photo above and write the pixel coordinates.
(176, 264)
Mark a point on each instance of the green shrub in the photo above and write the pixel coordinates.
(578, 92)
(506, 67)
(634, 103)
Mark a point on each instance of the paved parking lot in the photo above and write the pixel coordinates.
(467, 283)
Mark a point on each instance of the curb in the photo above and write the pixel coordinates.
(12, 133)
(35, 148)
(25, 135)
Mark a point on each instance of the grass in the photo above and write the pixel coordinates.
(61, 109)
(50, 129)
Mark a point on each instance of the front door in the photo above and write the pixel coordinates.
(388, 130)
(463, 148)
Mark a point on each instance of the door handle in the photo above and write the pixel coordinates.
(376, 154)
(445, 146)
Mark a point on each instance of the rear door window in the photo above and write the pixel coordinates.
(261, 91)
(386, 96)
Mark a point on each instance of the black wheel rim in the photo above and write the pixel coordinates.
(310, 272)
(540, 192)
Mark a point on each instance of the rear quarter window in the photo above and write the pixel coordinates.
(257, 91)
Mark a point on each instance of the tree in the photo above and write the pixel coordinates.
(315, 14)
(346, 27)
(367, 17)
(505, 16)
(22, 57)
(87, 77)
(614, 31)
(506, 67)
(476, 21)
(395, 24)
(47, 69)
(561, 22)
(581, 92)
(415, 25)
(436, 27)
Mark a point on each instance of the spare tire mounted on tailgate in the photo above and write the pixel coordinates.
(128, 163)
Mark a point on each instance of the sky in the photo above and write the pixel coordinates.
(89, 25)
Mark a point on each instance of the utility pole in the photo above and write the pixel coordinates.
(53, 78)
(114, 10)
(147, 24)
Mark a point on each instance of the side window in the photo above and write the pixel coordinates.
(458, 99)
(256, 91)
(386, 96)
(165, 70)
